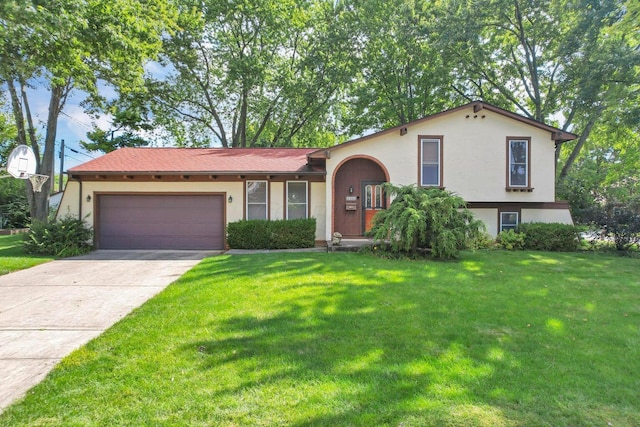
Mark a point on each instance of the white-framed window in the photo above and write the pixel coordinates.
(257, 199)
(373, 196)
(518, 159)
(509, 220)
(430, 161)
(297, 199)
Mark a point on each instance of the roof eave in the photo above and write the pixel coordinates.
(203, 173)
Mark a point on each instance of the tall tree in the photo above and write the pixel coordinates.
(247, 73)
(62, 45)
(7, 134)
(402, 76)
(559, 61)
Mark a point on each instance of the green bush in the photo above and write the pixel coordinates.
(279, 234)
(540, 236)
(421, 218)
(64, 238)
(511, 240)
(483, 241)
(14, 207)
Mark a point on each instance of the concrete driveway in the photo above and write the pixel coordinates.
(49, 310)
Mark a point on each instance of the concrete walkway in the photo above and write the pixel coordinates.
(49, 310)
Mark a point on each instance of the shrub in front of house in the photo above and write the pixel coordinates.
(279, 234)
(541, 236)
(425, 218)
(511, 240)
(66, 237)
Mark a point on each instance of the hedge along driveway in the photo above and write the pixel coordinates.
(496, 338)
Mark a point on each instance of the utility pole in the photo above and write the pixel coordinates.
(61, 165)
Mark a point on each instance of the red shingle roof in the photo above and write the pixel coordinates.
(199, 160)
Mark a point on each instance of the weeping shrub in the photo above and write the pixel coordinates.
(420, 218)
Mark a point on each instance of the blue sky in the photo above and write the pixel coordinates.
(73, 125)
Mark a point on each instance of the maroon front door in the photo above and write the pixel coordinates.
(349, 214)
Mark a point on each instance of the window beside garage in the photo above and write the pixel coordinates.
(257, 200)
(297, 199)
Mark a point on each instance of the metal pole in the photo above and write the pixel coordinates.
(61, 165)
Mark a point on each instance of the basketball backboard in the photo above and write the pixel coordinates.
(21, 162)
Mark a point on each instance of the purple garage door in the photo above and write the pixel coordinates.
(160, 221)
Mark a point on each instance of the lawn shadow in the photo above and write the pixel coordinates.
(370, 342)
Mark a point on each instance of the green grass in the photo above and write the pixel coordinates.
(13, 258)
(305, 339)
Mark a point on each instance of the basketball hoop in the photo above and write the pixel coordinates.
(37, 181)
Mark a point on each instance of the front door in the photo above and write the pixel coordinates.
(349, 196)
(373, 202)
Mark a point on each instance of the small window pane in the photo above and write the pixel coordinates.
(368, 197)
(257, 211)
(518, 163)
(430, 162)
(508, 220)
(256, 200)
(430, 174)
(297, 200)
(297, 212)
(519, 175)
(257, 192)
(378, 196)
(430, 151)
(297, 192)
(518, 151)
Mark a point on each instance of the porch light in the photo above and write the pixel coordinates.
(88, 198)
(230, 199)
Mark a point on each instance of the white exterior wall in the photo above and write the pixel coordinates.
(562, 216)
(490, 219)
(234, 210)
(69, 203)
(474, 158)
(276, 200)
(318, 208)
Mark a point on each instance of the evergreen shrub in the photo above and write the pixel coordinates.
(278, 234)
(541, 236)
(64, 238)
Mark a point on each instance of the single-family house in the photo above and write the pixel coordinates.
(501, 163)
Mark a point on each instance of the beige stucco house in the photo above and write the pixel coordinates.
(501, 163)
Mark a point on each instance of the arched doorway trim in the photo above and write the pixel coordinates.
(338, 204)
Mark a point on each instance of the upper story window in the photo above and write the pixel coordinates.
(257, 197)
(297, 199)
(430, 161)
(519, 163)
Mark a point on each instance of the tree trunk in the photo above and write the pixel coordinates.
(581, 141)
(39, 201)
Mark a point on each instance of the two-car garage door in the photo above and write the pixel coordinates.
(160, 221)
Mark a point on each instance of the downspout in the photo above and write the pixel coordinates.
(80, 200)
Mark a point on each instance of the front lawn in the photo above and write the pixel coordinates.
(13, 258)
(300, 339)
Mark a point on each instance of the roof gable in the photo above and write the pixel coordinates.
(556, 134)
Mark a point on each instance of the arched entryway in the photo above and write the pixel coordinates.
(357, 195)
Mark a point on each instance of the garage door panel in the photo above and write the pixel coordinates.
(161, 221)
